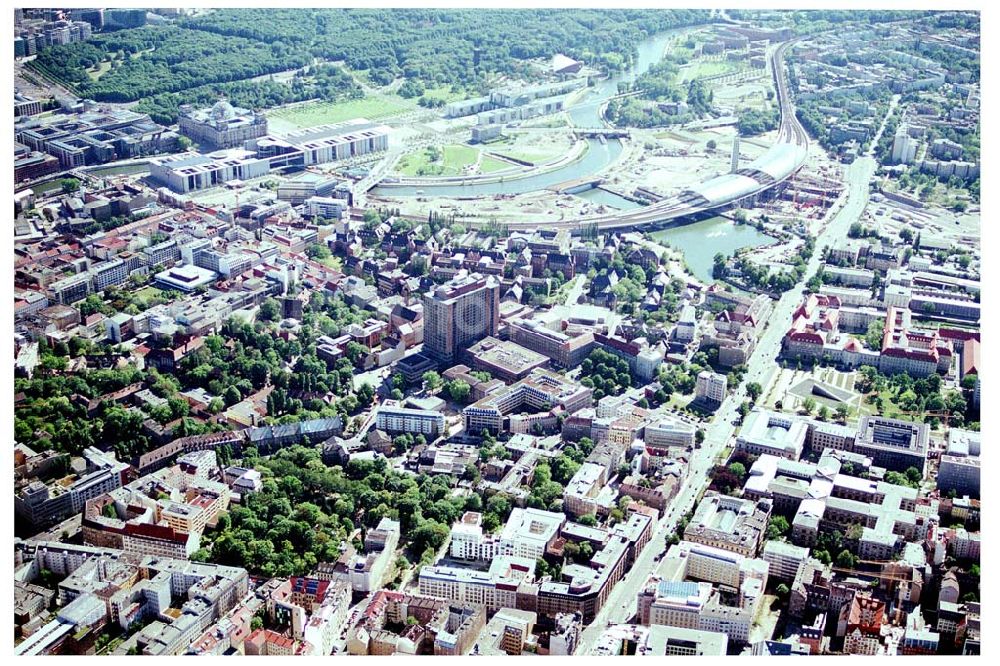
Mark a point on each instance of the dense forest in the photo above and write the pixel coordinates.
(450, 46)
(325, 82)
(433, 47)
(151, 60)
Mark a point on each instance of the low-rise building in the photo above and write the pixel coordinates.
(772, 433)
(730, 523)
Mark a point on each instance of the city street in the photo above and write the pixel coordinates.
(573, 297)
(620, 606)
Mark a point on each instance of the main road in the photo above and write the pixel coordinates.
(620, 606)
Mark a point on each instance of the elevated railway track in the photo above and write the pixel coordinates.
(770, 170)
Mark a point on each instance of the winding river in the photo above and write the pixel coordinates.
(585, 113)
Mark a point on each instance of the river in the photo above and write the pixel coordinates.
(121, 169)
(701, 241)
(585, 113)
(599, 196)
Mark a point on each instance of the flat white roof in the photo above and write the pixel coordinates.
(532, 525)
(186, 277)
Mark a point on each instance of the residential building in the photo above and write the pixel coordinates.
(710, 386)
(468, 542)
(586, 493)
(494, 589)
(393, 418)
(528, 533)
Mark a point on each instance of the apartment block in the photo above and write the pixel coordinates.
(393, 418)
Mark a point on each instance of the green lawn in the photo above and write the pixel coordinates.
(547, 122)
(374, 107)
(533, 156)
(890, 409)
(509, 147)
(678, 401)
(100, 70)
(360, 75)
(701, 69)
(126, 169)
(674, 136)
(447, 161)
(47, 186)
(146, 294)
(146, 297)
(445, 92)
(458, 155)
(333, 262)
(489, 165)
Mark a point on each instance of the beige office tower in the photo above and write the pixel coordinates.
(460, 313)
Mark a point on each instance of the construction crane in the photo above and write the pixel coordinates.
(892, 578)
(871, 574)
(944, 415)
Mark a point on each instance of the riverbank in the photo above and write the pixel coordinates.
(700, 241)
(577, 152)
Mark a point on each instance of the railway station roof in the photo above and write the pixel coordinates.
(780, 160)
(726, 188)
